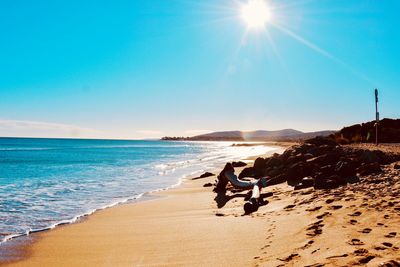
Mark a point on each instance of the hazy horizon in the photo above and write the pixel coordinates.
(136, 70)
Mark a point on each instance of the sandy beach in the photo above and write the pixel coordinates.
(192, 226)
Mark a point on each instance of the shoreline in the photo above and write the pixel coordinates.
(21, 245)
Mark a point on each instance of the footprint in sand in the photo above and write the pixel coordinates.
(386, 216)
(356, 242)
(380, 248)
(338, 256)
(329, 201)
(309, 243)
(289, 258)
(314, 209)
(366, 259)
(315, 228)
(355, 214)
(360, 251)
(336, 207)
(366, 230)
(391, 234)
(323, 215)
(387, 244)
(353, 222)
(289, 207)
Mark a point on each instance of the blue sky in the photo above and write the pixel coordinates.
(134, 69)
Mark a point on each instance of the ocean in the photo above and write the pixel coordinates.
(48, 182)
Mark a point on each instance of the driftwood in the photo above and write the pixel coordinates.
(228, 175)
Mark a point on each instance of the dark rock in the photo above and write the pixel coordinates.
(273, 162)
(238, 164)
(368, 156)
(367, 169)
(297, 171)
(306, 182)
(325, 159)
(389, 132)
(206, 174)
(248, 172)
(277, 179)
(346, 168)
(319, 141)
(260, 164)
(328, 182)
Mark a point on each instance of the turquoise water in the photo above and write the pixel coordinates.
(47, 182)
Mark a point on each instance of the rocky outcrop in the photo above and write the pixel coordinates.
(319, 162)
(388, 132)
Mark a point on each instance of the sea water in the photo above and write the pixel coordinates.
(47, 182)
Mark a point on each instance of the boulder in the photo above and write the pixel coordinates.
(346, 168)
(319, 141)
(206, 174)
(238, 164)
(297, 171)
(369, 168)
(260, 164)
(306, 182)
(273, 162)
(248, 172)
(328, 182)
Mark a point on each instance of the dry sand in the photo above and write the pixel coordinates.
(192, 226)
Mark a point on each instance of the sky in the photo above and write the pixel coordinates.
(145, 69)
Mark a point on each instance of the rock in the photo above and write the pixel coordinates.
(396, 166)
(260, 164)
(297, 171)
(208, 185)
(368, 156)
(238, 164)
(327, 170)
(306, 182)
(319, 141)
(325, 159)
(206, 174)
(328, 182)
(345, 168)
(248, 172)
(274, 161)
(367, 169)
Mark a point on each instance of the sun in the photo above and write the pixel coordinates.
(256, 13)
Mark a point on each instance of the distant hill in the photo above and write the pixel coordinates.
(261, 135)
